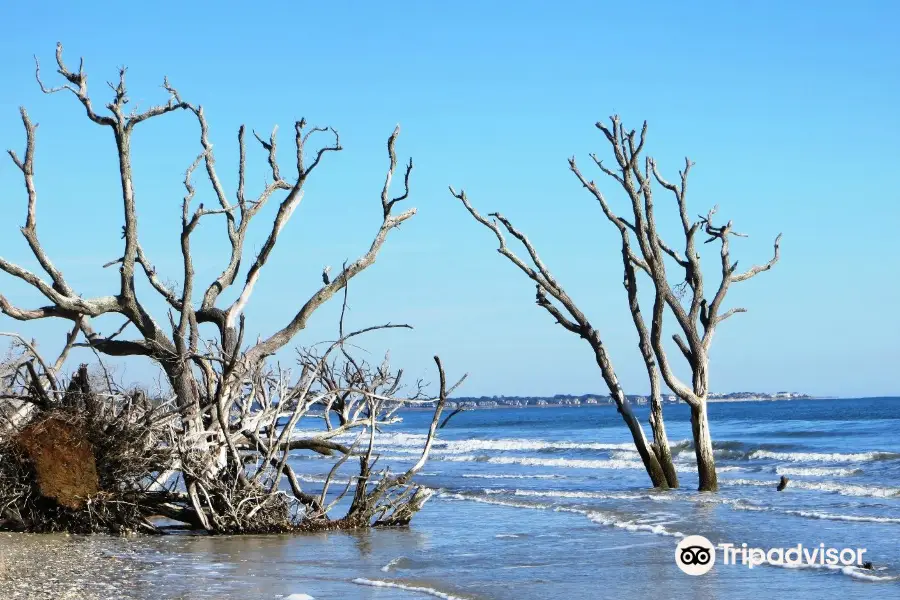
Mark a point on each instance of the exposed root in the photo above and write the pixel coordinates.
(87, 462)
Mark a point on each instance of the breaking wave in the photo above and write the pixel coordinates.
(609, 520)
(397, 563)
(510, 476)
(566, 494)
(868, 491)
(855, 572)
(495, 501)
(595, 516)
(817, 471)
(396, 441)
(811, 514)
(823, 457)
(571, 463)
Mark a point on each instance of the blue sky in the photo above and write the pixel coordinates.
(788, 109)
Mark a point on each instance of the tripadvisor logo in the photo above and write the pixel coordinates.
(695, 555)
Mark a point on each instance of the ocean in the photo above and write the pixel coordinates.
(544, 503)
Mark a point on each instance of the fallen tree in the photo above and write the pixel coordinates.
(225, 436)
(87, 461)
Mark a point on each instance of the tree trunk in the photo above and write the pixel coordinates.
(185, 387)
(184, 384)
(706, 462)
(648, 456)
(661, 440)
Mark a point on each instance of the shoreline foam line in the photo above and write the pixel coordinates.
(380, 583)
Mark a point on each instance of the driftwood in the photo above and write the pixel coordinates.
(116, 462)
(228, 428)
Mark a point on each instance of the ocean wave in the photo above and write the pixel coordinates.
(511, 476)
(850, 571)
(494, 501)
(741, 504)
(594, 516)
(413, 440)
(689, 464)
(400, 562)
(675, 447)
(681, 445)
(566, 494)
(322, 478)
(824, 457)
(603, 519)
(609, 520)
(409, 588)
(653, 496)
(811, 514)
(571, 463)
(817, 471)
(756, 482)
(868, 491)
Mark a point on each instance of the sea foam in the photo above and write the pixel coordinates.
(817, 471)
(594, 516)
(416, 441)
(566, 494)
(403, 586)
(836, 457)
(570, 463)
(511, 476)
(850, 571)
(867, 491)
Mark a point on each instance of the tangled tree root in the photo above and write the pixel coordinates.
(87, 462)
(81, 464)
(63, 461)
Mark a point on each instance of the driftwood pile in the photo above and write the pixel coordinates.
(79, 460)
(219, 454)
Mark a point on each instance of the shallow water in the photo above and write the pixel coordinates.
(553, 503)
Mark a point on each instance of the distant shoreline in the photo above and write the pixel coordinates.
(606, 403)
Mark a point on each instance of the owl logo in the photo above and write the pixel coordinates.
(695, 555)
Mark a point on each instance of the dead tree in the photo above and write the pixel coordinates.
(696, 315)
(177, 350)
(657, 457)
(208, 377)
(87, 461)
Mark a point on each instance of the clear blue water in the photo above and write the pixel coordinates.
(552, 503)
